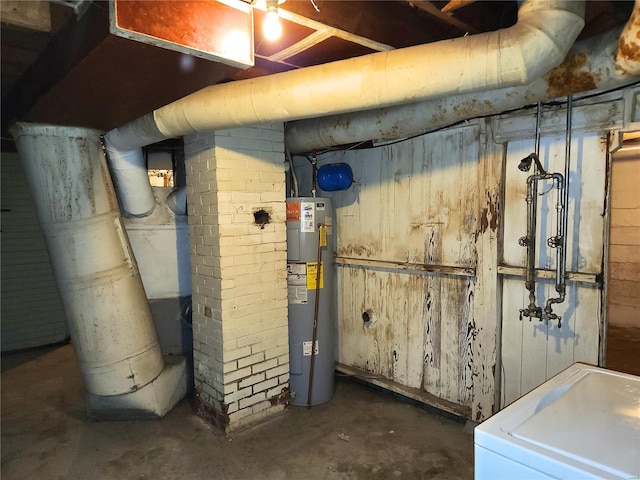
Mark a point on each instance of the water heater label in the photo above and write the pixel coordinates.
(308, 212)
(306, 349)
(297, 295)
(297, 283)
(328, 221)
(323, 236)
(293, 211)
(312, 273)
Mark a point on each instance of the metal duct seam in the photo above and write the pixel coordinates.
(540, 40)
(590, 65)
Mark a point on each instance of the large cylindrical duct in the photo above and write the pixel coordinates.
(310, 222)
(109, 318)
(591, 64)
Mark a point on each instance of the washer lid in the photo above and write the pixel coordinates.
(593, 417)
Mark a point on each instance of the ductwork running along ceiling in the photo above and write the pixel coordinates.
(62, 65)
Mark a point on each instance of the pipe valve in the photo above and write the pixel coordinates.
(555, 241)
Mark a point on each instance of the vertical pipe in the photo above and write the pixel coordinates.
(316, 305)
(532, 203)
(565, 198)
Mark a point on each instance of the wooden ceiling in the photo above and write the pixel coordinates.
(72, 71)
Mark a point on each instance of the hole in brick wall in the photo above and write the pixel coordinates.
(261, 218)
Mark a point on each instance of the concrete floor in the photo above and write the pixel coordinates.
(45, 436)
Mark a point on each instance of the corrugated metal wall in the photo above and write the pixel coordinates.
(31, 312)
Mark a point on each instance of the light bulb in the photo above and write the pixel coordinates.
(271, 28)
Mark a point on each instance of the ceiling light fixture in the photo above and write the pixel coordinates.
(271, 28)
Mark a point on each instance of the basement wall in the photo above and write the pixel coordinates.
(624, 252)
(427, 239)
(238, 273)
(31, 314)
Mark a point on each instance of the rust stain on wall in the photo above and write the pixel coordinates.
(281, 399)
(629, 51)
(488, 216)
(367, 250)
(570, 77)
(209, 413)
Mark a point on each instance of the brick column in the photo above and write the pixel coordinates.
(236, 205)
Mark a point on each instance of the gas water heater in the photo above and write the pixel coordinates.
(309, 237)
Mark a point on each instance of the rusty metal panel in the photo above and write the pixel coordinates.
(218, 30)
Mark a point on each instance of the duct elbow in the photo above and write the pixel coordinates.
(544, 34)
(177, 201)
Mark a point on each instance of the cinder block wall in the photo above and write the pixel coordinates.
(235, 179)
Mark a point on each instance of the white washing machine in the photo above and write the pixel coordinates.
(584, 423)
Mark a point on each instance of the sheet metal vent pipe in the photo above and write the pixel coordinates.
(96, 273)
(510, 57)
(559, 241)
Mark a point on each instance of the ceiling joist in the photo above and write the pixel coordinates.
(447, 18)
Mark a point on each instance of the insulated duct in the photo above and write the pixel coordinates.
(539, 41)
(628, 57)
(590, 65)
(111, 326)
(109, 319)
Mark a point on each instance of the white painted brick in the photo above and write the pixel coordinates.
(237, 353)
(261, 367)
(238, 395)
(245, 197)
(240, 414)
(250, 320)
(229, 388)
(251, 239)
(249, 340)
(251, 359)
(231, 366)
(261, 406)
(283, 378)
(281, 370)
(235, 333)
(273, 237)
(232, 407)
(253, 379)
(274, 392)
(273, 196)
(238, 374)
(252, 400)
(264, 344)
(233, 230)
(266, 385)
(276, 352)
(275, 160)
(233, 185)
(283, 359)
